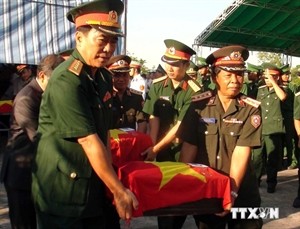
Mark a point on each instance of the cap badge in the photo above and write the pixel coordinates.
(236, 56)
(172, 50)
(113, 16)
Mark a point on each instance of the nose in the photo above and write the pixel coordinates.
(109, 47)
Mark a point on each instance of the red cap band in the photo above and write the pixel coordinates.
(175, 54)
(110, 19)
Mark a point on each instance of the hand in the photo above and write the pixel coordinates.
(150, 155)
(125, 202)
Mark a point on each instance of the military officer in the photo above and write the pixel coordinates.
(269, 155)
(127, 103)
(296, 203)
(72, 164)
(192, 70)
(160, 71)
(290, 138)
(204, 75)
(168, 100)
(137, 82)
(219, 130)
(254, 74)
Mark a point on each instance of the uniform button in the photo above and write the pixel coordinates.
(109, 105)
(231, 133)
(268, 96)
(73, 175)
(267, 103)
(206, 132)
(267, 110)
(121, 107)
(164, 105)
(266, 117)
(99, 106)
(218, 157)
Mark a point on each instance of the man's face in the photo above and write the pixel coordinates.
(25, 73)
(96, 47)
(121, 80)
(176, 71)
(203, 71)
(229, 83)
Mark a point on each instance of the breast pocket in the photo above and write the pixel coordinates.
(130, 115)
(231, 133)
(208, 134)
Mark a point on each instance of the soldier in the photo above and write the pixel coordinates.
(192, 70)
(160, 71)
(72, 164)
(269, 155)
(204, 75)
(127, 103)
(168, 100)
(254, 74)
(290, 139)
(296, 203)
(219, 130)
(137, 82)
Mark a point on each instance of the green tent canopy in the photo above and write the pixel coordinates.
(260, 25)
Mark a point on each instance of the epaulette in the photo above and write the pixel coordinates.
(194, 86)
(159, 79)
(136, 92)
(262, 86)
(76, 67)
(298, 93)
(201, 96)
(251, 102)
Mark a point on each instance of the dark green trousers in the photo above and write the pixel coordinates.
(268, 157)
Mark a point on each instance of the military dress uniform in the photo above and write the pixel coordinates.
(74, 105)
(128, 112)
(273, 129)
(170, 106)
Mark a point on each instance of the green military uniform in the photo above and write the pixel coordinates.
(272, 134)
(216, 133)
(169, 104)
(297, 117)
(128, 112)
(204, 80)
(192, 70)
(73, 105)
(250, 86)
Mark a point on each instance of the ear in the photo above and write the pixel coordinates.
(78, 37)
(41, 76)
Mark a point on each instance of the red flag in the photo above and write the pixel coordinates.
(170, 184)
(128, 146)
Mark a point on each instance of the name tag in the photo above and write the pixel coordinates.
(233, 120)
(208, 120)
(165, 98)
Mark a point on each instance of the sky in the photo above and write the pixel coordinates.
(150, 22)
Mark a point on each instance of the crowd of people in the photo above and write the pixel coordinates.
(238, 118)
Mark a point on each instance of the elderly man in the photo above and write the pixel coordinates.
(72, 163)
(219, 130)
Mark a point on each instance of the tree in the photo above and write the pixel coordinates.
(270, 57)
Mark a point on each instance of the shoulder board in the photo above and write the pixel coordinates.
(201, 96)
(76, 67)
(297, 94)
(193, 85)
(262, 86)
(136, 92)
(159, 79)
(251, 102)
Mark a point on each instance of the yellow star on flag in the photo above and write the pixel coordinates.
(115, 134)
(171, 169)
